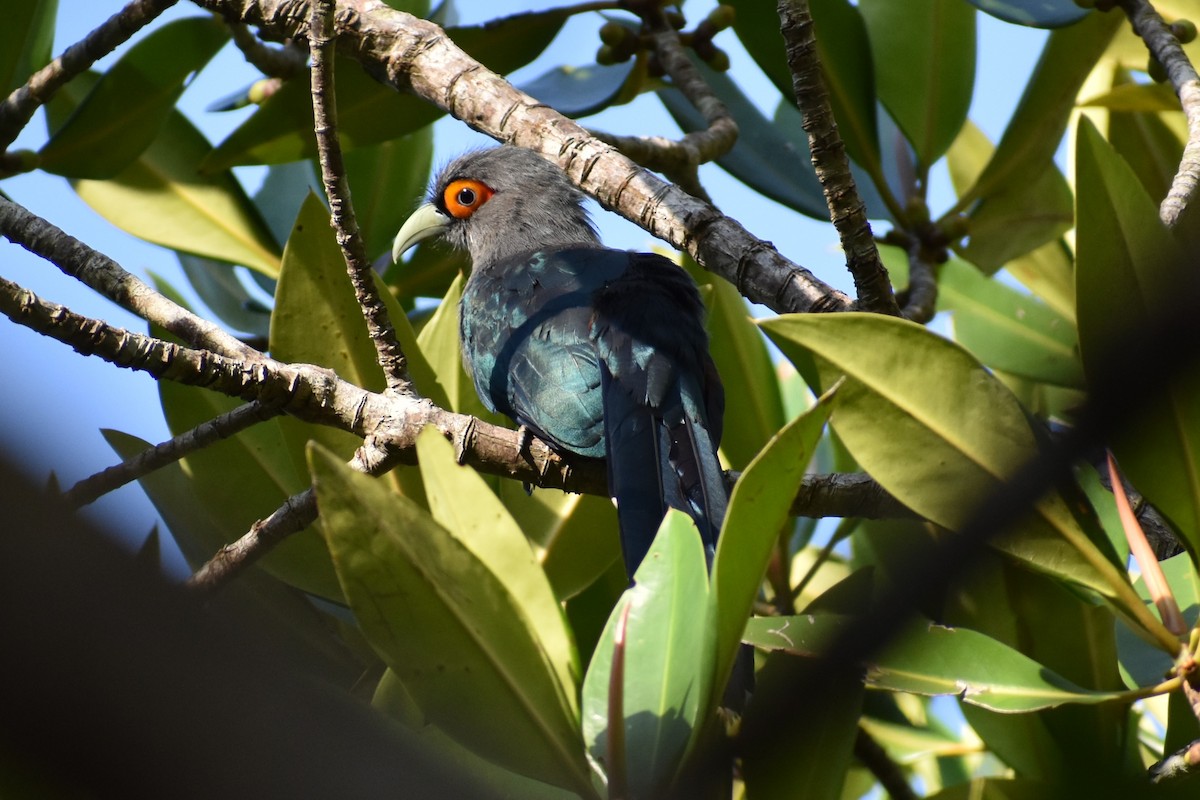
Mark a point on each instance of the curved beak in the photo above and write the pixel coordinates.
(424, 223)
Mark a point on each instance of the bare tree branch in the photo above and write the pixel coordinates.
(297, 513)
(415, 55)
(288, 61)
(107, 277)
(1148, 24)
(342, 218)
(19, 107)
(680, 160)
(846, 208)
(222, 427)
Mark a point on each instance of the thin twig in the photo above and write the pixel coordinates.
(297, 513)
(342, 218)
(19, 107)
(1154, 31)
(871, 755)
(214, 430)
(111, 280)
(285, 62)
(1152, 572)
(846, 208)
(680, 160)
(920, 298)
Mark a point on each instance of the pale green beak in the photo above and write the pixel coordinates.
(424, 223)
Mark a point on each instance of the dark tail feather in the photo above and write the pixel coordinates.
(636, 451)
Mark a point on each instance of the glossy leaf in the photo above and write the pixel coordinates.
(924, 56)
(368, 112)
(758, 510)
(1129, 270)
(937, 431)
(123, 113)
(1034, 13)
(754, 409)
(1018, 217)
(25, 40)
(446, 625)
(317, 320)
(485, 528)
(580, 91)
(1008, 330)
(763, 158)
(667, 668)
(935, 660)
(160, 198)
(386, 181)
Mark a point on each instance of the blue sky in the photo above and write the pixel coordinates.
(54, 401)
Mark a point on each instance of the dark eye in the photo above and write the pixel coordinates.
(465, 197)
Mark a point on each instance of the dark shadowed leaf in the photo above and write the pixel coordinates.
(579, 91)
(126, 109)
(763, 158)
(385, 181)
(1034, 13)
(25, 40)
(1129, 268)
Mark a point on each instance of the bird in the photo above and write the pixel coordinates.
(601, 353)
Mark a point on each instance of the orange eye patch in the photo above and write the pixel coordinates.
(463, 197)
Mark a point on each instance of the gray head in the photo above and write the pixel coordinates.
(500, 202)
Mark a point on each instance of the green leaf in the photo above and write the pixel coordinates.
(667, 668)
(26, 40)
(446, 625)
(317, 320)
(580, 91)
(218, 287)
(427, 273)
(758, 510)
(1129, 269)
(124, 112)
(1048, 272)
(845, 56)
(485, 528)
(1036, 127)
(937, 431)
(810, 757)
(924, 56)
(1018, 217)
(931, 659)
(1008, 330)
(1142, 664)
(383, 179)
(1034, 13)
(1135, 97)
(369, 112)
(582, 544)
(160, 198)
(438, 340)
(754, 412)
(1152, 147)
(763, 158)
